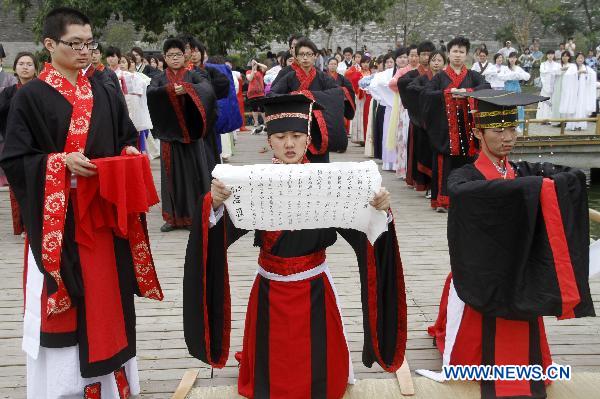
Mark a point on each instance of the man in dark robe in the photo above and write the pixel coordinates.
(419, 156)
(304, 77)
(448, 120)
(294, 345)
(518, 235)
(83, 190)
(182, 105)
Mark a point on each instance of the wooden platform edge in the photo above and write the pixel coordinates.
(186, 384)
(405, 379)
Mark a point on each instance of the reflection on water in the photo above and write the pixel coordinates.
(594, 200)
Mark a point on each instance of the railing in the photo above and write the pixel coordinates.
(561, 121)
(594, 215)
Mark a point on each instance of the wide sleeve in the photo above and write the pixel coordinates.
(383, 297)
(349, 98)
(433, 114)
(568, 94)
(589, 91)
(206, 294)
(479, 82)
(516, 250)
(219, 81)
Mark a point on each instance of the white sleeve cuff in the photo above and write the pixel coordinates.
(215, 216)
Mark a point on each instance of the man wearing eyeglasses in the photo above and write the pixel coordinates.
(182, 106)
(304, 77)
(69, 142)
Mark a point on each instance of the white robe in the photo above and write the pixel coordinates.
(578, 98)
(497, 75)
(548, 72)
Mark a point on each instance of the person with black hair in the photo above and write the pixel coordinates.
(303, 76)
(25, 68)
(6, 79)
(347, 62)
(140, 66)
(447, 119)
(113, 57)
(182, 106)
(196, 55)
(349, 94)
(68, 139)
(411, 95)
(419, 156)
(548, 71)
(359, 134)
(96, 67)
(482, 64)
(505, 225)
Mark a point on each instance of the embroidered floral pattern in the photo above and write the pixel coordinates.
(57, 180)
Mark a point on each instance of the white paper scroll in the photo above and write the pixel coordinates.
(309, 196)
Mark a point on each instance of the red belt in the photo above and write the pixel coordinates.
(287, 266)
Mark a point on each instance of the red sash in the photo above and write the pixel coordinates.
(454, 106)
(177, 77)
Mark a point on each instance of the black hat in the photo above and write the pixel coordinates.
(2, 53)
(498, 108)
(289, 112)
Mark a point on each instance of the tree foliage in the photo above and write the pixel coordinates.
(406, 18)
(221, 24)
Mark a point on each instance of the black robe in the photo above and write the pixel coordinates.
(187, 156)
(503, 261)
(435, 120)
(350, 103)
(207, 306)
(434, 109)
(37, 126)
(330, 127)
(420, 155)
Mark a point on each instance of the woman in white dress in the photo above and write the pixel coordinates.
(579, 93)
(566, 68)
(548, 72)
(498, 73)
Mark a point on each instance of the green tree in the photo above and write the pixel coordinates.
(406, 18)
(222, 24)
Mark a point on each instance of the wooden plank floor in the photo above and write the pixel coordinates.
(162, 355)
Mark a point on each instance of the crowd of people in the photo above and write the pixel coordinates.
(78, 135)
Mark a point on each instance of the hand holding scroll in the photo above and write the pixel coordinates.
(219, 193)
(382, 200)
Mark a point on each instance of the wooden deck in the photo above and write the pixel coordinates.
(162, 355)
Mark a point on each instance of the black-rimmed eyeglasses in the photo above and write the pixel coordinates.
(78, 46)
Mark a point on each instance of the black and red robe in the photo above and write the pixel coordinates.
(320, 87)
(350, 98)
(420, 156)
(448, 123)
(184, 124)
(519, 250)
(294, 345)
(85, 237)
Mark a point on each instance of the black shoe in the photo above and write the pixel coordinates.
(165, 228)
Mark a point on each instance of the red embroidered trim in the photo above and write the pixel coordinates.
(487, 169)
(287, 266)
(304, 78)
(269, 238)
(425, 71)
(219, 363)
(322, 127)
(16, 214)
(174, 100)
(453, 107)
(92, 391)
(122, 383)
(349, 98)
(143, 263)
(58, 178)
(423, 169)
(177, 77)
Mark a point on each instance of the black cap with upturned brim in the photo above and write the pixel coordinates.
(288, 112)
(2, 53)
(498, 108)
